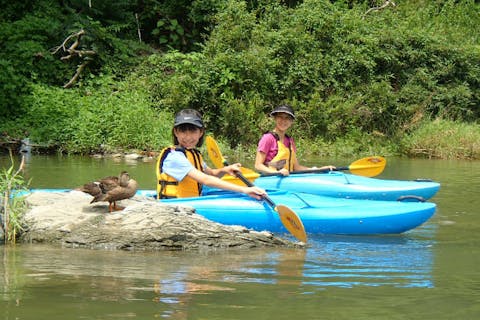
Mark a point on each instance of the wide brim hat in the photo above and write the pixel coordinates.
(283, 109)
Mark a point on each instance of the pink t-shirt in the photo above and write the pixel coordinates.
(268, 145)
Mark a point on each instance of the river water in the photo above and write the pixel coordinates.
(428, 273)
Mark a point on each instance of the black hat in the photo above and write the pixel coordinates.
(284, 108)
(188, 116)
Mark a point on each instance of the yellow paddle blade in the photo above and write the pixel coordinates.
(292, 222)
(368, 167)
(247, 173)
(214, 152)
(289, 218)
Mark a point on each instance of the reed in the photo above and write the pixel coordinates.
(12, 207)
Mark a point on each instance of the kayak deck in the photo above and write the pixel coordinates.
(341, 185)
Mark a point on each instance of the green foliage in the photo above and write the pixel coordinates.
(29, 38)
(443, 139)
(349, 72)
(13, 207)
(102, 116)
(24, 57)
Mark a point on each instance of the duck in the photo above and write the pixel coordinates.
(111, 189)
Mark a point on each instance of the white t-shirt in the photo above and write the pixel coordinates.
(177, 165)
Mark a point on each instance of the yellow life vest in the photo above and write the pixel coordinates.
(285, 157)
(168, 187)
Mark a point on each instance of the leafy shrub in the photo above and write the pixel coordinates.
(104, 116)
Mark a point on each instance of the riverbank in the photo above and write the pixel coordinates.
(68, 219)
(436, 139)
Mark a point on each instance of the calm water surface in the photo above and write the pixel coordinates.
(428, 273)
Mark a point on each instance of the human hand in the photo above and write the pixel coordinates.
(232, 169)
(284, 172)
(255, 192)
(326, 168)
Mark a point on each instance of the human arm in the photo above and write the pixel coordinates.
(261, 167)
(177, 166)
(215, 182)
(220, 172)
(298, 167)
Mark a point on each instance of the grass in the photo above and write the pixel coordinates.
(444, 139)
(13, 208)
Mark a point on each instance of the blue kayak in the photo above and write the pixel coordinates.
(342, 185)
(319, 214)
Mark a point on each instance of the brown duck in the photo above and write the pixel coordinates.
(111, 189)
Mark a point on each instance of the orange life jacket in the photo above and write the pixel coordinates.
(169, 187)
(285, 157)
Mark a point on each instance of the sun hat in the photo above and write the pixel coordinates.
(284, 108)
(188, 116)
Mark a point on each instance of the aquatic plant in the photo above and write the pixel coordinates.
(12, 207)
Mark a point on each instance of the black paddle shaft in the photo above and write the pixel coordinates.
(306, 171)
(248, 183)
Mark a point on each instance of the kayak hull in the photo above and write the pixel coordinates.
(319, 214)
(342, 185)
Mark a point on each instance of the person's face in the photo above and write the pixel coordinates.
(283, 121)
(188, 135)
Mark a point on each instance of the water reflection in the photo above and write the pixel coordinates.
(59, 171)
(167, 284)
(330, 260)
(399, 261)
(346, 261)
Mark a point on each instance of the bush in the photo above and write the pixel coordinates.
(103, 116)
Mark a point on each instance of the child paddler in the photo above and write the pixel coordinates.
(276, 151)
(181, 171)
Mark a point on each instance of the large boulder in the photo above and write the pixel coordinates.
(68, 219)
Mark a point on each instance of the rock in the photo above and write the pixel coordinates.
(133, 156)
(68, 219)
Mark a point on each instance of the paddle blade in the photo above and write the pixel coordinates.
(214, 152)
(247, 173)
(368, 167)
(292, 222)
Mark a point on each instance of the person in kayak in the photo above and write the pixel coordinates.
(181, 170)
(276, 151)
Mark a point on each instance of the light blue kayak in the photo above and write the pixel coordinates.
(319, 214)
(343, 185)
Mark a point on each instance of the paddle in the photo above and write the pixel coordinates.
(288, 217)
(367, 167)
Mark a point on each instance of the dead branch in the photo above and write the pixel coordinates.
(63, 46)
(77, 74)
(72, 52)
(138, 28)
(383, 6)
